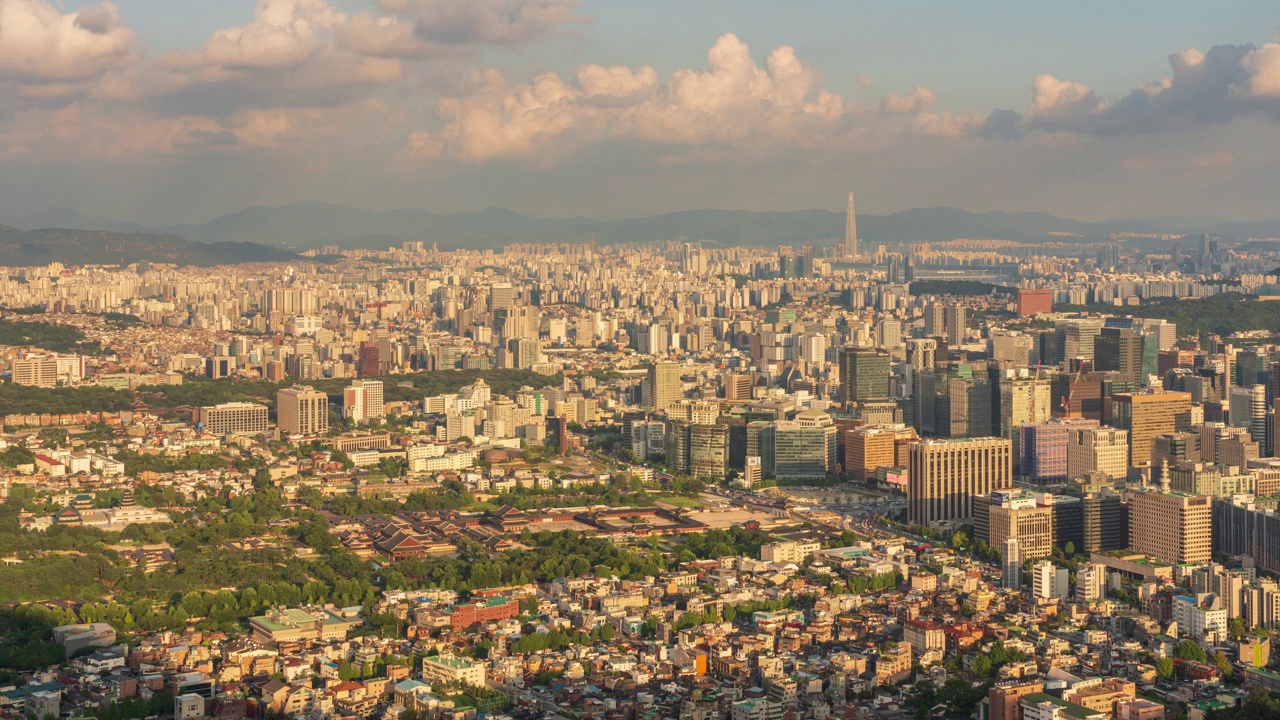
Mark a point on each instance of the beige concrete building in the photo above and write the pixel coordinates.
(1097, 449)
(944, 476)
(1171, 527)
(1008, 514)
(1146, 415)
(302, 410)
(868, 448)
(234, 418)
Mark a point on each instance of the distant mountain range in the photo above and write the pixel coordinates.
(97, 247)
(310, 225)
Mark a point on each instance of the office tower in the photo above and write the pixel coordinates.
(737, 386)
(864, 373)
(968, 405)
(1103, 522)
(851, 231)
(1171, 528)
(1023, 401)
(1190, 478)
(1011, 565)
(234, 418)
(1012, 514)
(1005, 698)
(752, 473)
(889, 334)
(501, 295)
(708, 451)
(1048, 581)
(1097, 450)
(1033, 301)
(362, 400)
(1248, 409)
(1119, 349)
(663, 385)
(1042, 448)
(1091, 582)
(35, 372)
(944, 476)
(302, 410)
(219, 367)
(866, 449)
(800, 453)
(921, 353)
(1146, 415)
(1012, 346)
(953, 322)
(370, 360)
(1170, 449)
(523, 353)
(1075, 338)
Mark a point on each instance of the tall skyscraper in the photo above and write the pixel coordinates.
(864, 373)
(944, 476)
(663, 385)
(302, 410)
(1171, 528)
(851, 231)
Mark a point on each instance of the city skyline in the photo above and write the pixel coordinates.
(162, 113)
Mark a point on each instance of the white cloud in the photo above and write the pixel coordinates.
(1205, 88)
(41, 44)
(495, 22)
(917, 100)
(734, 102)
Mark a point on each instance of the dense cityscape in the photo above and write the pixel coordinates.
(675, 480)
(663, 360)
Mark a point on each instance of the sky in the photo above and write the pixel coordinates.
(177, 111)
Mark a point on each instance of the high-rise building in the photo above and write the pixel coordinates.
(1170, 527)
(302, 410)
(708, 451)
(501, 295)
(1011, 565)
(800, 451)
(1119, 349)
(219, 367)
(362, 400)
(1005, 698)
(1033, 301)
(370, 360)
(1013, 514)
(1097, 449)
(1048, 581)
(1075, 338)
(1043, 448)
(851, 231)
(866, 449)
(864, 373)
(235, 418)
(953, 322)
(1091, 582)
(944, 476)
(737, 386)
(663, 385)
(1146, 415)
(1022, 401)
(1248, 409)
(1103, 522)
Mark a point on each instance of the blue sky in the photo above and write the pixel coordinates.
(174, 111)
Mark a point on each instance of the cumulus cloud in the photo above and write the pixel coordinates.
(39, 43)
(915, 101)
(1205, 88)
(497, 22)
(733, 102)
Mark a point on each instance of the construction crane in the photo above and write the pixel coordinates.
(1066, 400)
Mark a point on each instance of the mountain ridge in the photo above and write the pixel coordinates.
(312, 224)
(73, 246)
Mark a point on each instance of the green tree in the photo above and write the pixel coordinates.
(1190, 650)
(1164, 668)
(1223, 664)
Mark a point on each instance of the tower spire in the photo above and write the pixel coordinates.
(851, 231)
